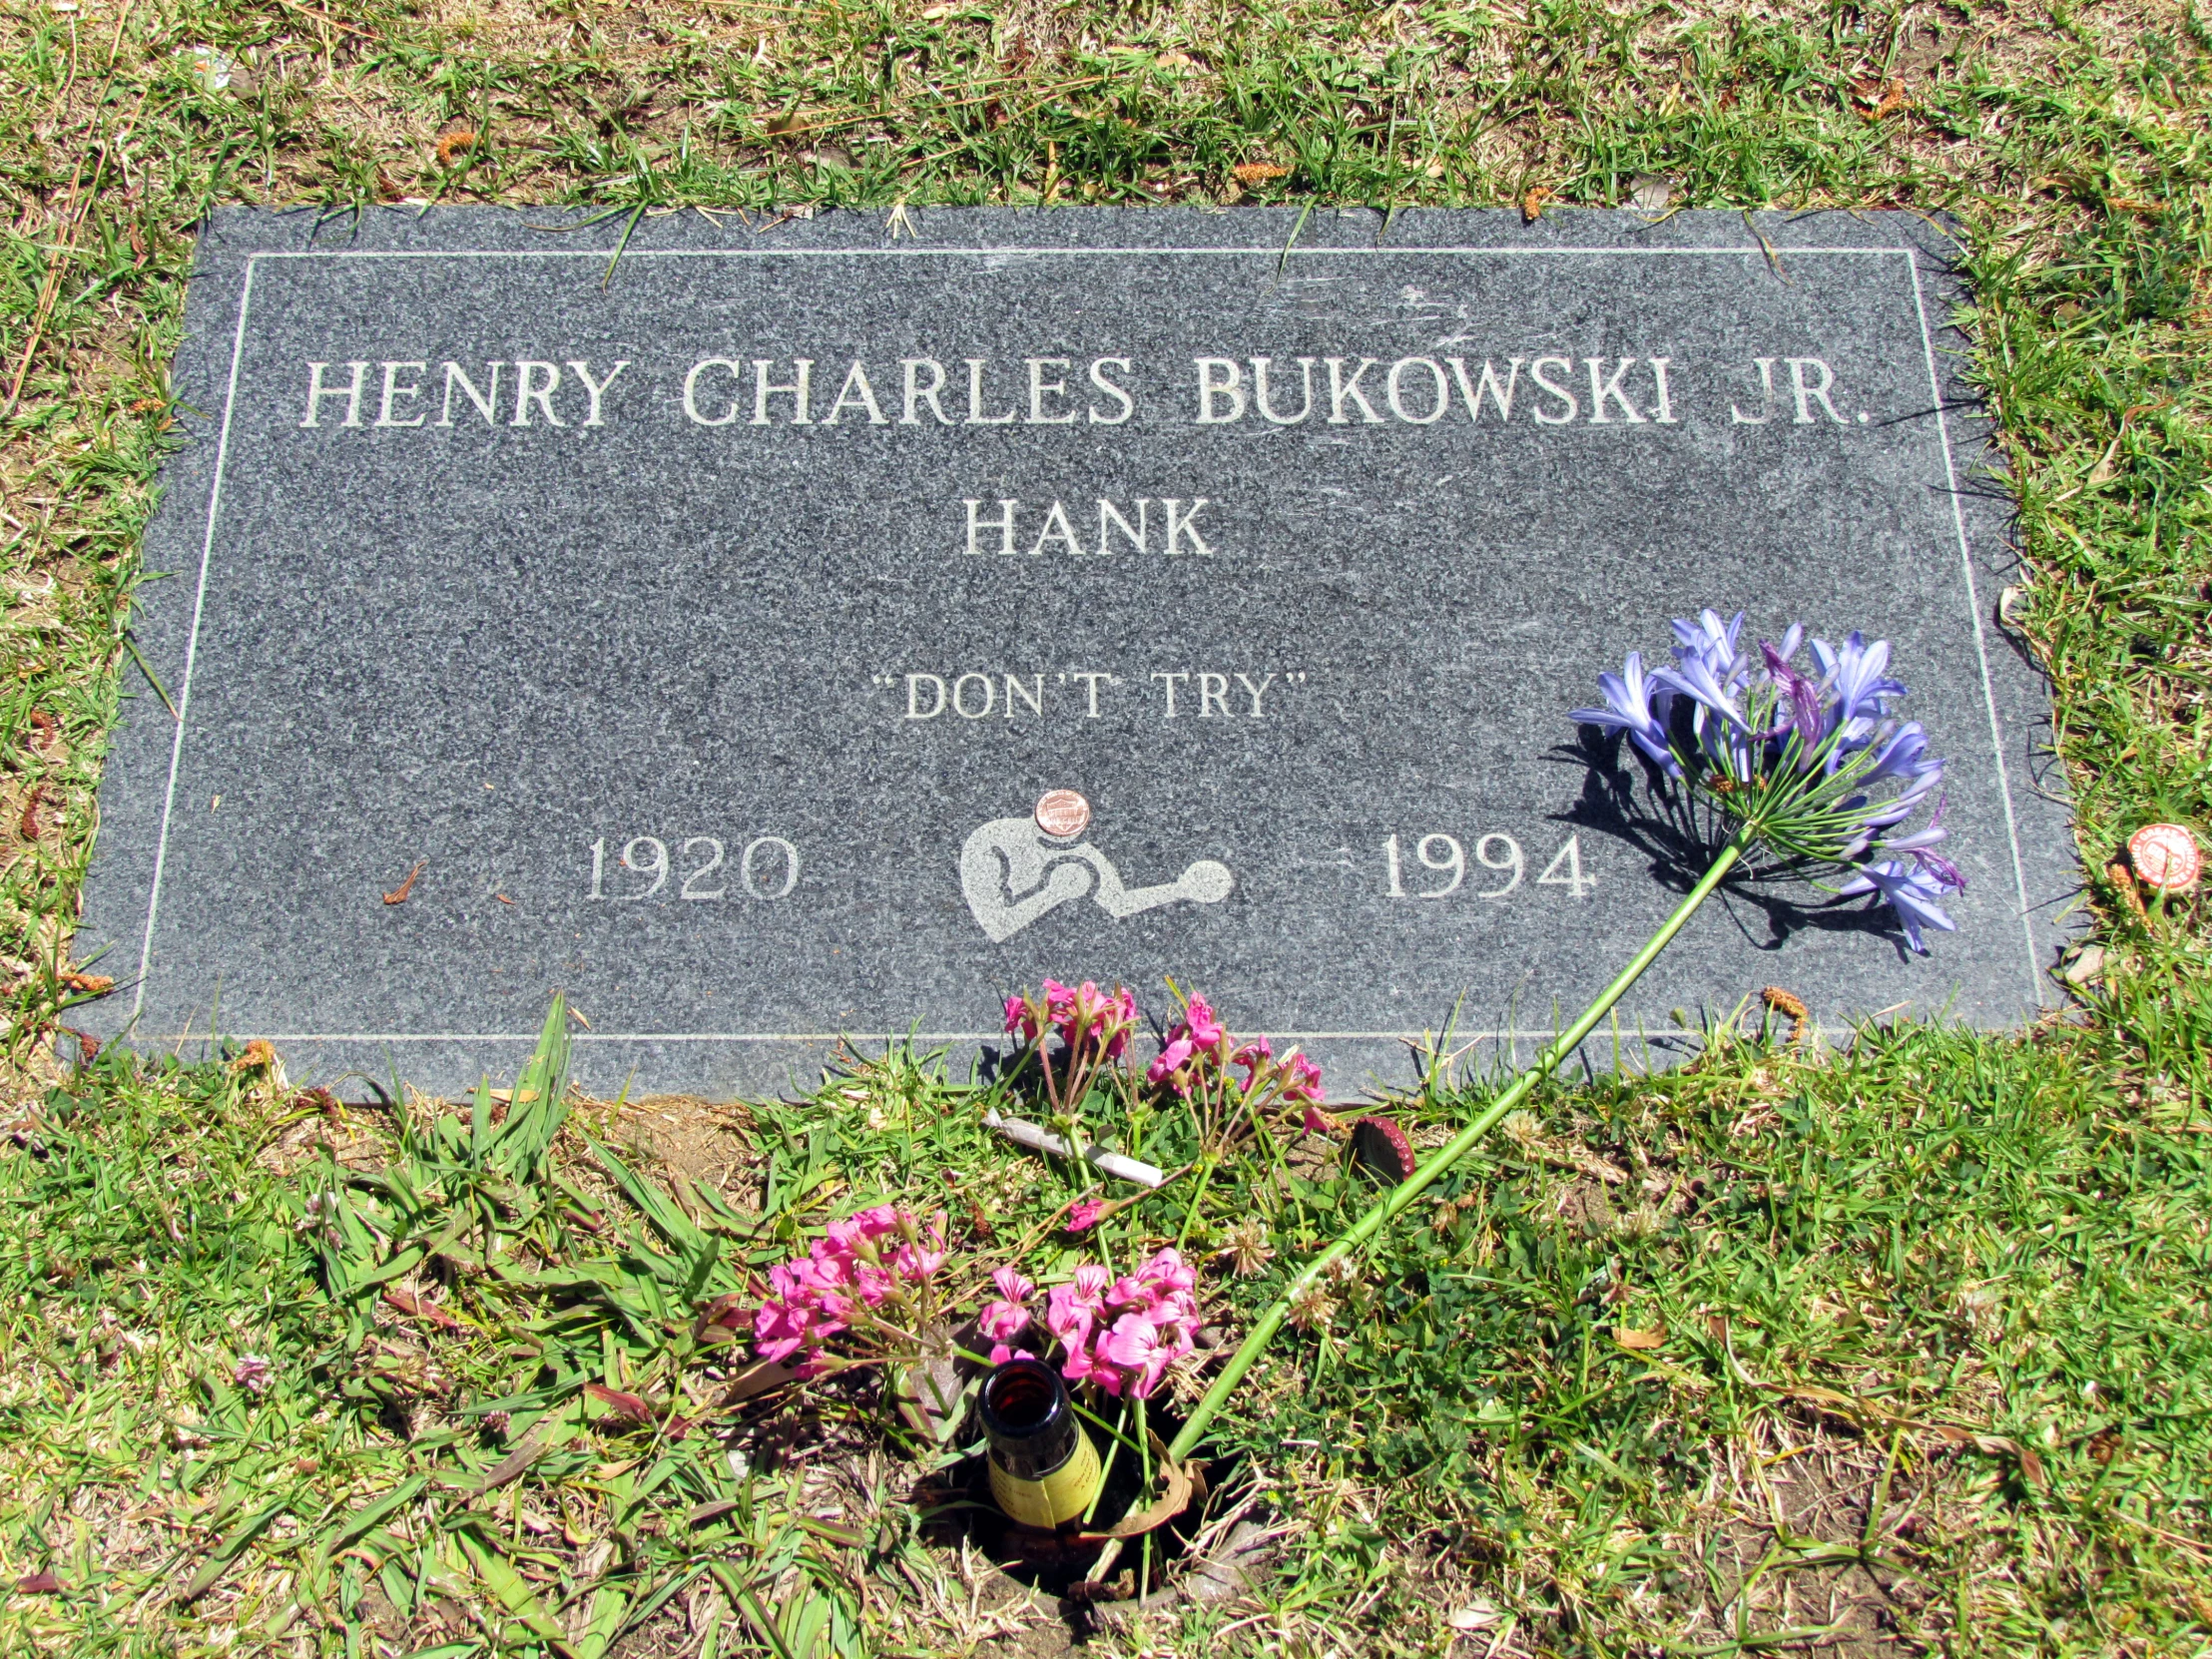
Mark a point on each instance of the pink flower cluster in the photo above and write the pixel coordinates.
(1197, 1045)
(1122, 1334)
(861, 1262)
(1083, 1017)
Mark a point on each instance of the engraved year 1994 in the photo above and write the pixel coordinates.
(766, 867)
(1440, 869)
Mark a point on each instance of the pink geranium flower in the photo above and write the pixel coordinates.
(1139, 1357)
(1124, 1335)
(1072, 1309)
(861, 1260)
(1172, 1059)
(1091, 1025)
(1082, 1217)
(1167, 1274)
(1007, 1318)
(1077, 1365)
(1251, 1057)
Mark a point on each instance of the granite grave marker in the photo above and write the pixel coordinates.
(698, 635)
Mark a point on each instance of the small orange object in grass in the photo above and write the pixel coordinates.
(1791, 1006)
(1258, 173)
(2166, 857)
(1532, 205)
(454, 145)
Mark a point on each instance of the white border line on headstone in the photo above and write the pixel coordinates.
(192, 645)
(1981, 644)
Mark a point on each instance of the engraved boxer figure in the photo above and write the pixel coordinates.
(1015, 869)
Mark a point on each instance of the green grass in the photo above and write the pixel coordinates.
(1930, 1318)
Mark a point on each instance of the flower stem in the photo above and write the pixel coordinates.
(1205, 1180)
(1112, 1451)
(1402, 1196)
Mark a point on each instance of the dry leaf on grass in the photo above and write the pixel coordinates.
(622, 1403)
(407, 1301)
(1641, 1341)
(1532, 204)
(1649, 192)
(1995, 1446)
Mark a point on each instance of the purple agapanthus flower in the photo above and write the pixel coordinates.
(1636, 706)
(1902, 753)
(1702, 677)
(1910, 890)
(1857, 675)
(1710, 639)
(1917, 847)
(1814, 768)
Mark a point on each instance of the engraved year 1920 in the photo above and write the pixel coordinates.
(766, 868)
(1439, 867)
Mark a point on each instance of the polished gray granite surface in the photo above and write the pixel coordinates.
(699, 633)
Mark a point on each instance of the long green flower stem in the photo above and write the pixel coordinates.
(1402, 1195)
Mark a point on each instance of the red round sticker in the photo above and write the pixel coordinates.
(2166, 856)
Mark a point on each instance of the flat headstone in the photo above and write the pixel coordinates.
(503, 573)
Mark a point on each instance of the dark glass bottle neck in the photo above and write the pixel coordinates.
(1028, 1418)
